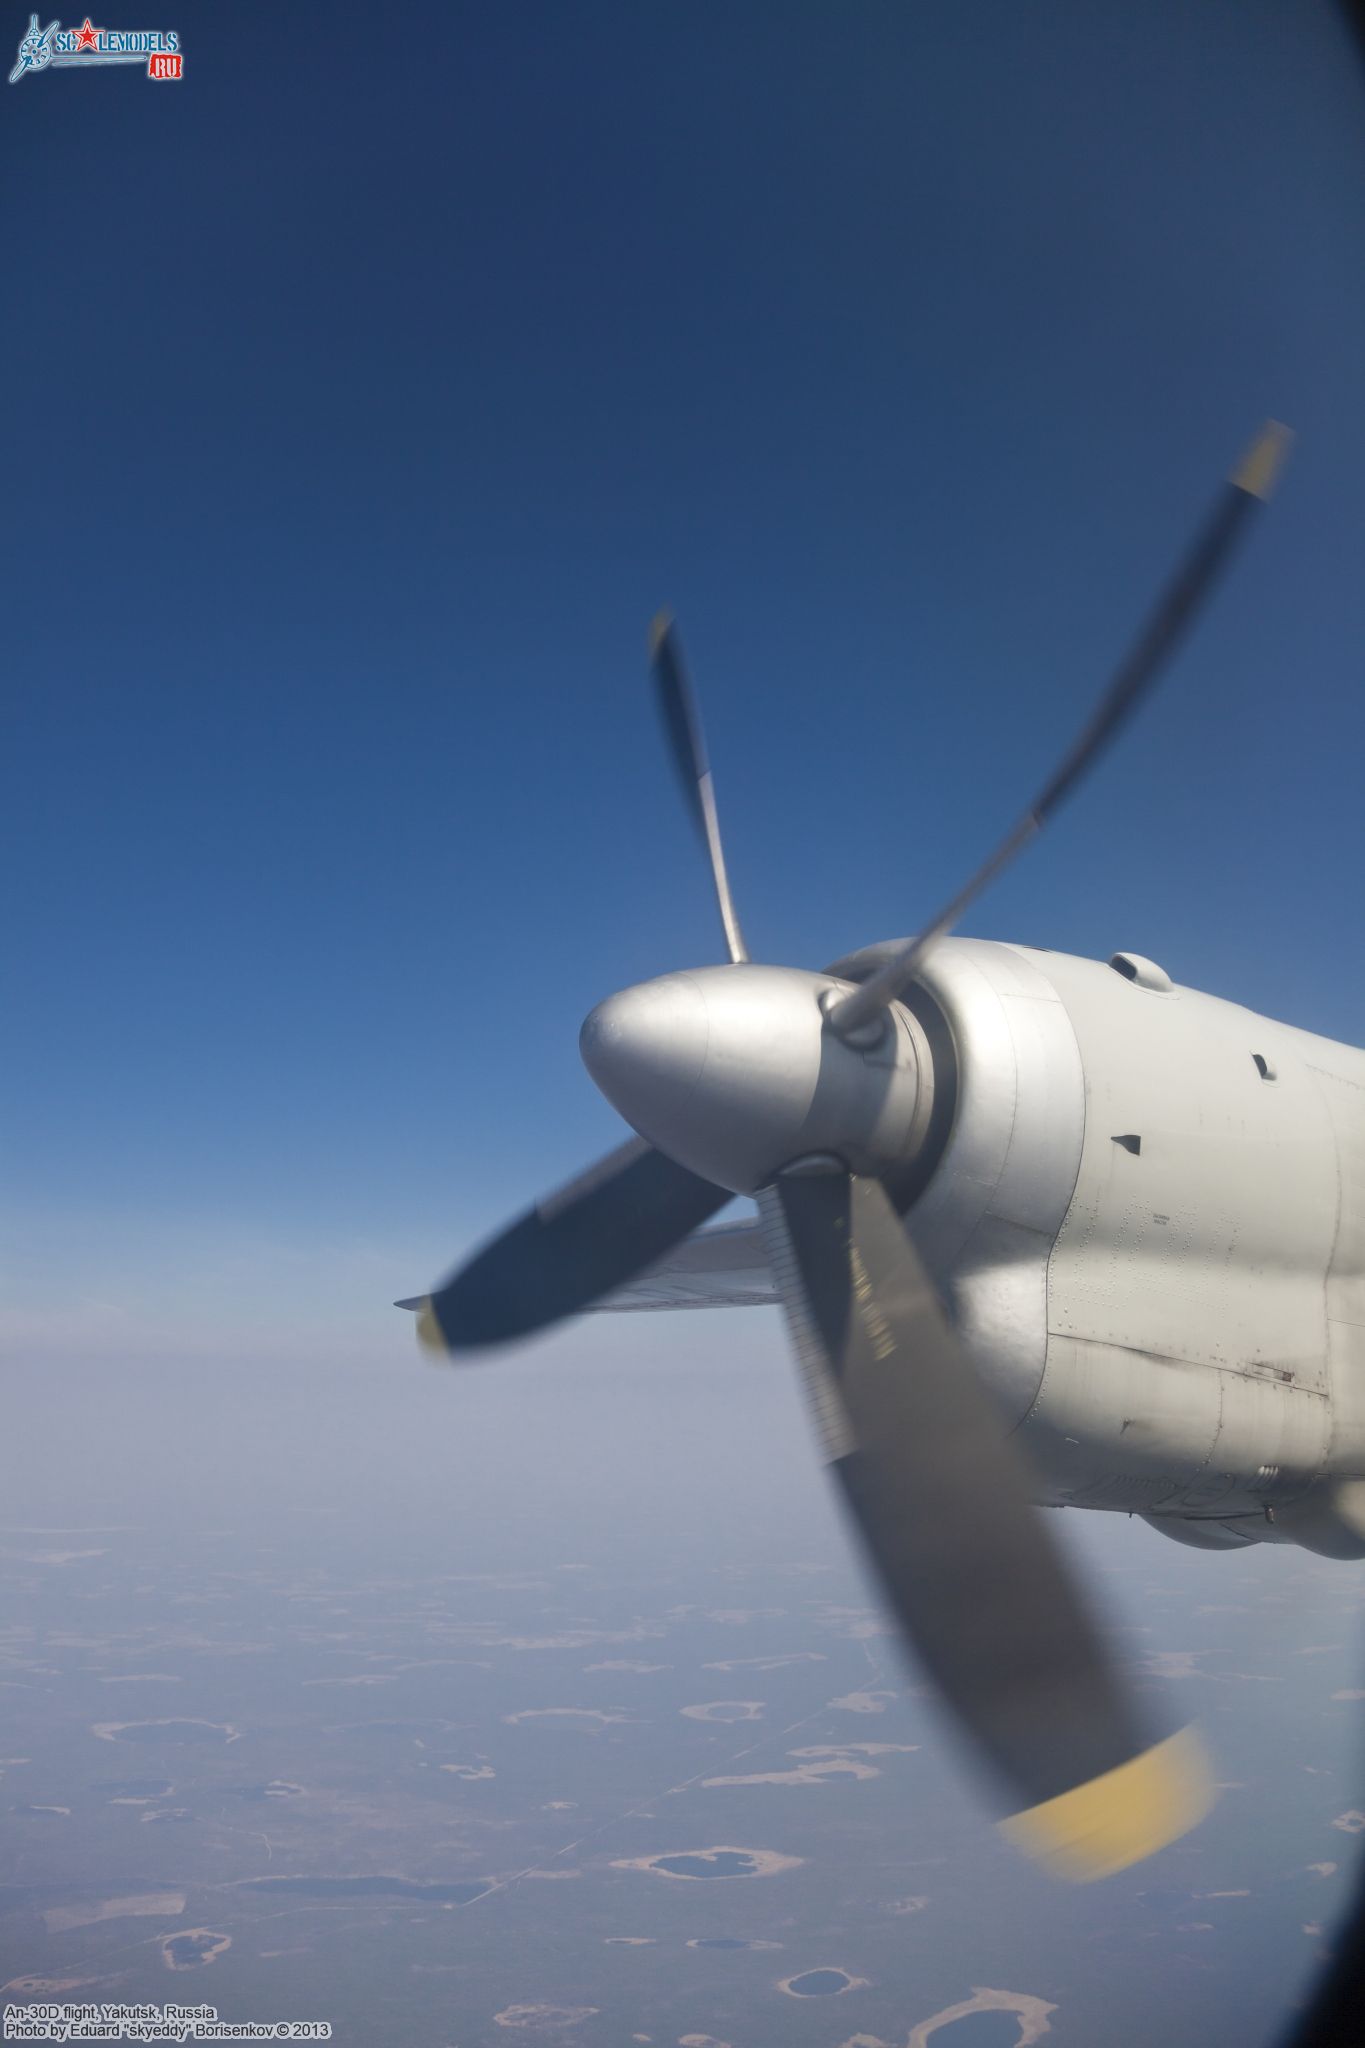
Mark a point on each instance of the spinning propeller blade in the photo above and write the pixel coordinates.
(687, 745)
(1251, 483)
(942, 1503)
(576, 1245)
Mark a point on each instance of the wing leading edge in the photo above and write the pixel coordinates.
(724, 1266)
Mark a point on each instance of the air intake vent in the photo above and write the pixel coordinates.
(1142, 972)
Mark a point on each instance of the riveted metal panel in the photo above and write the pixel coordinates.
(1187, 1287)
(986, 1223)
(1230, 1201)
(1343, 1093)
(1106, 1416)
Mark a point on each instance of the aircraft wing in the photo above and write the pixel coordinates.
(722, 1267)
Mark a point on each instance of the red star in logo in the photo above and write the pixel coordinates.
(86, 39)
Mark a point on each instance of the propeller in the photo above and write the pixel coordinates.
(808, 1092)
(574, 1246)
(942, 1503)
(687, 745)
(1249, 484)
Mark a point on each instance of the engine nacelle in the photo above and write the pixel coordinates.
(1148, 1220)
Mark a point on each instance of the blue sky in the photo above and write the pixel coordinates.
(368, 392)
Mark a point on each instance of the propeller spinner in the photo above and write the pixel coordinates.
(808, 1091)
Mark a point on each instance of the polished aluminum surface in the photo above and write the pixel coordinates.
(988, 1220)
(731, 1071)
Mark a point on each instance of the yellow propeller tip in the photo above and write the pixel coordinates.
(1258, 471)
(1112, 1821)
(430, 1335)
(658, 630)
